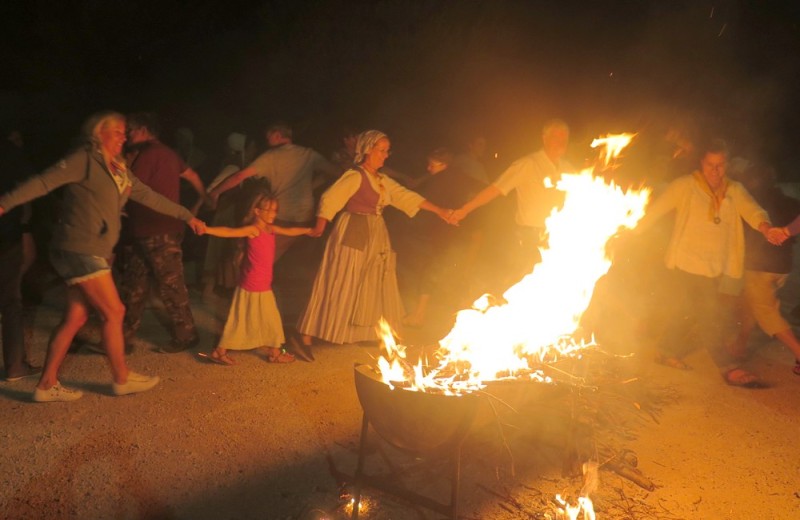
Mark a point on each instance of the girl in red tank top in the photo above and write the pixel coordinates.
(253, 320)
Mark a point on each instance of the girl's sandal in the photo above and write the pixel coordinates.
(282, 357)
(215, 357)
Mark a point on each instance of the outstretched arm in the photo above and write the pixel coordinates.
(191, 176)
(485, 196)
(319, 228)
(231, 182)
(291, 231)
(443, 214)
(229, 232)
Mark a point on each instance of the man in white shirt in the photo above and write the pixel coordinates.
(535, 201)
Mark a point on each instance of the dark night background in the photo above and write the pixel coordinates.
(428, 72)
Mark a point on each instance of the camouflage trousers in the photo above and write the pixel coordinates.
(159, 258)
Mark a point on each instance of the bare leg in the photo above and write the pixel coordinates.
(101, 293)
(75, 316)
(788, 338)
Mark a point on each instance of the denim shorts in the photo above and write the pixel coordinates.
(75, 268)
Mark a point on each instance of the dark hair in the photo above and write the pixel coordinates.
(282, 127)
(443, 155)
(348, 131)
(147, 120)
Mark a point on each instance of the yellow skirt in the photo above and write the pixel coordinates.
(253, 322)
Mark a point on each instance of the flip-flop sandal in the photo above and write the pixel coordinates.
(283, 357)
(671, 362)
(745, 379)
(223, 360)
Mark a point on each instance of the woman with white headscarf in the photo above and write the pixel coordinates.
(356, 283)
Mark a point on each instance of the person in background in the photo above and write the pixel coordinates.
(767, 266)
(96, 184)
(535, 200)
(290, 170)
(13, 231)
(154, 250)
(218, 270)
(356, 283)
(253, 319)
(705, 259)
(442, 255)
(470, 162)
(344, 155)
(194, 157)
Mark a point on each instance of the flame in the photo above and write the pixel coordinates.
(612, 146)
(536, 323)
(571, 512)
(567, 511)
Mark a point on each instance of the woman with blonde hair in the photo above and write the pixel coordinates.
(96, 185)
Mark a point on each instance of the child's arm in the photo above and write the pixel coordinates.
(290, 231)
(229, 232)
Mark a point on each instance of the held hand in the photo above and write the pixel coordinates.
(457, 216)
(776, 236)
(198, 226)
(445, 214)
(319, 228)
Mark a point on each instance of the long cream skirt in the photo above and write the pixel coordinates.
(253, 321)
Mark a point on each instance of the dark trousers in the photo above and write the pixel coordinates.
(14, 355)
(161, 257)
(697, 315)
(527, 239)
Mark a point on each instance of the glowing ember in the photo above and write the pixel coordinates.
(541, 313)
(363, 506)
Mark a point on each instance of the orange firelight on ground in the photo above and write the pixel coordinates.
(540, 315)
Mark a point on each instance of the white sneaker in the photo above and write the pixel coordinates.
(136, 383)
(56, 393)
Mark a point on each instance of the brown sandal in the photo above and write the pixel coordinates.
(215, 357)
(281, 357)
(671, 362)
(743, 378)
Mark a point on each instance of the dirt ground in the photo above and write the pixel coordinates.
(266, 441)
